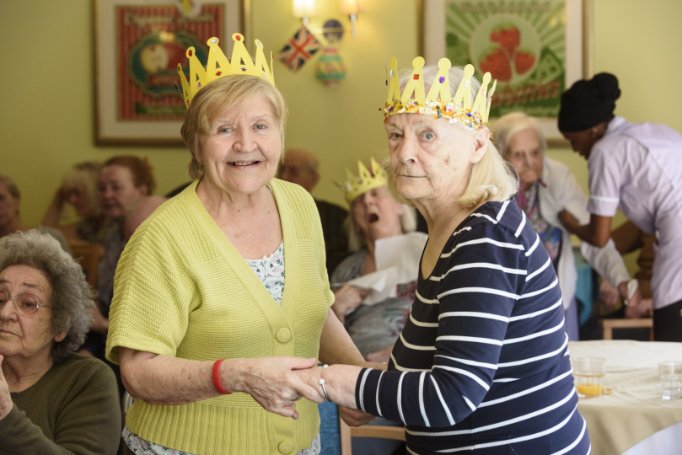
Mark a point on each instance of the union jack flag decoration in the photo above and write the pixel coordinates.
(299, 49)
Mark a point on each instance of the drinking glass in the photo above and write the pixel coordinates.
(589, 376)
(670, 372)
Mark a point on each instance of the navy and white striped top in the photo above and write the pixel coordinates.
(482, 364)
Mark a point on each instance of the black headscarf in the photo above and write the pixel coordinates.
(588, 103)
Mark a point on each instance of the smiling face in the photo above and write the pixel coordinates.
(117, 190)
(241, 152)
(524, 153)
(26, 336)
(376, 214)
(431, 159)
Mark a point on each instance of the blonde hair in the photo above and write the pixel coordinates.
(218, 96)
(491, 178)
(84, 175)
(508, 125)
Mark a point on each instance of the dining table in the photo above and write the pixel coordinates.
(630, 417)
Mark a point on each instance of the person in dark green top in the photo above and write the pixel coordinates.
(52, 401)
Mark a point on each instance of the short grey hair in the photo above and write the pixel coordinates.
(72, 298)
(505, 127)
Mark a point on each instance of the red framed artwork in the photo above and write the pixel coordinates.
(138, 45)
(534, 48)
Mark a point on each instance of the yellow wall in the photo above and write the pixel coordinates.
(47, 98)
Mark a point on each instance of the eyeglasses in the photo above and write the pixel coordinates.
(25, 304)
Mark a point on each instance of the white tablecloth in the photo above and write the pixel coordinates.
(634, 411)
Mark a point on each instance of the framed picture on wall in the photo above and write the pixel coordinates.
(534, 48)
(138, 45)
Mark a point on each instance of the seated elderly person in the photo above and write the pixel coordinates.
(51, 400)
(78, 189)
(546, 188)
(375, 294)
(125, 186)
(375, 215)
(10, 216)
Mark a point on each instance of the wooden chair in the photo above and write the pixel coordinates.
(88, 256)
(608, 326)
(396, 433)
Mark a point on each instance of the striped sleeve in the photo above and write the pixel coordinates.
(477, 283)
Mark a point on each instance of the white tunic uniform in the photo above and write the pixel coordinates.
(638, 168)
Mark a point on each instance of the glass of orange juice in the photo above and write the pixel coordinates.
(589, 376)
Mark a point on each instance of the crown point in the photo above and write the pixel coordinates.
(439, 102)
(218, 66)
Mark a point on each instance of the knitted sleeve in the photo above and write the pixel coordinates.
(152, 296)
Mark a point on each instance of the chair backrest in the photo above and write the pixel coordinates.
(88, 256)
(608, 325)
(396, 433)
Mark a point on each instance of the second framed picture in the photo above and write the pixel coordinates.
(534, 48)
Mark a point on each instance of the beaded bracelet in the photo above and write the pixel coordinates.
(216, 378)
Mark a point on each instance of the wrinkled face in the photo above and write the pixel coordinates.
(582, 141)
(117, 191)
(25, 336)
(431, 159)
(9, 207)
(524, 153)
(242, 150)
(376, 214)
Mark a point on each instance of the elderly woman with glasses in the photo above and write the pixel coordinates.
(546, 188)
(51, 400)
(482, 364)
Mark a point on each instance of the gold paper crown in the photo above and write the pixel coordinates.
(217, 66)
(367, 179)
(439, 101)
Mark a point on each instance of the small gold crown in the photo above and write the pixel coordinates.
(367, 179)
(217, 66)
(439, 101)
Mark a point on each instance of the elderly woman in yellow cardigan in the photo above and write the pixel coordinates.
(223, 292)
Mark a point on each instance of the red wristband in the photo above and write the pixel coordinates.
(216, 378)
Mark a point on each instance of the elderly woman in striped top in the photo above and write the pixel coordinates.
(482, 364)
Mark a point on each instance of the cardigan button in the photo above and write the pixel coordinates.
(285, 447)
(283, 335)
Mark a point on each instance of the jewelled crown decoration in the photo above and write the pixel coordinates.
(367, 179)
(218, 66)
(439, 102)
